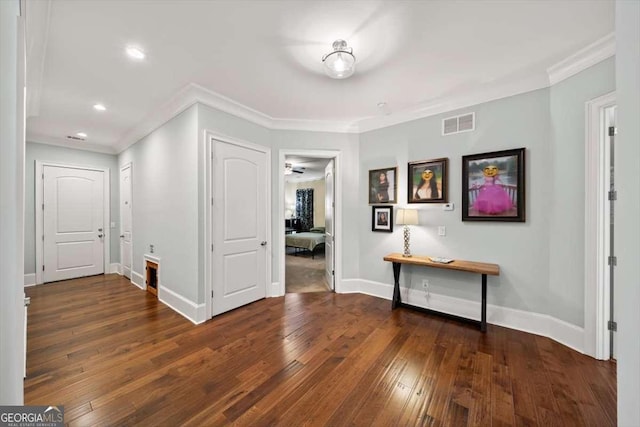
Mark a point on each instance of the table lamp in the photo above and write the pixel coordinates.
(406, 217)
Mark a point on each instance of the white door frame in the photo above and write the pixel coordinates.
(122, 167)
(596, 307)
(39, 190)
(209, 138)
(337, 224)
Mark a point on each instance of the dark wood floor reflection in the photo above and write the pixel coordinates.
(113, 355)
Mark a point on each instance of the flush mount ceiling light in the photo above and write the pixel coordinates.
(340, 63)
(81, 135)
(99, 107)
(135, 53)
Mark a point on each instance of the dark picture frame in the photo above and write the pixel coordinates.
(382, 218)
(493, 186)
(427, 181)
(383, 186)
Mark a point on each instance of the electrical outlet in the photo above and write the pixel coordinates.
(151, 248)
(442, 230)
(425, 286)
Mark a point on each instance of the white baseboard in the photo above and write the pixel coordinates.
(137, 279)
(115, 267)
(349, 286)
(182, 305)
(540, 324)
(275, 290)
(29, 279)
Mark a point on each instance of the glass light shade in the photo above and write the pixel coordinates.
(407, 217)
(340, 63)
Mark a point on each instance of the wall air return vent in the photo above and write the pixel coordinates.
(458, 124)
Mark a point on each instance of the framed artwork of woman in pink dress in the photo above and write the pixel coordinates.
(493, 186)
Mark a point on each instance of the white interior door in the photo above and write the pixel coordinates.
(73, 223)
(329, 215)
(239, 182)
(125, 220)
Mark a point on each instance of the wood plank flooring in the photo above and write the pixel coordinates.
(113, 355)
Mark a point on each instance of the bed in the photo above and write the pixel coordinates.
(306, 240)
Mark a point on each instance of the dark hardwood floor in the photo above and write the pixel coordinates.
(113, 355)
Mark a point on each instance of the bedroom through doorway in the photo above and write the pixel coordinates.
(307, 214)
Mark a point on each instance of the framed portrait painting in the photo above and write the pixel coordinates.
(382, 218)
(493, 186)
(427, 181)
(383, 186)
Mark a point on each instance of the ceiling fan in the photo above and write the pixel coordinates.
(290, 169)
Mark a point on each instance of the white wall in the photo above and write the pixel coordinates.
(11, 205)
(318, 187)
(67, 156)
(165, 202)
(627, 234)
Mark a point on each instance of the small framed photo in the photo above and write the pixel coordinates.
(427, 181)
(382, 218)
(493, 186)
(383, 186)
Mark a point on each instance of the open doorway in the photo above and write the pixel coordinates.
(308, 212)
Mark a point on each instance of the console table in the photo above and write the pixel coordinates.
(481, 268)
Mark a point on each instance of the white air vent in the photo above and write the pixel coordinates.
(458, 124)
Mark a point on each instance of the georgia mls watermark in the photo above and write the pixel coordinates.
(31, 416)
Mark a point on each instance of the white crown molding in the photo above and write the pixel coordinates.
(194, 93)
(38, 18)
(61, 142)
(483, 94)
(584, 58)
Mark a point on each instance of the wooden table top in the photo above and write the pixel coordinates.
(458, 264)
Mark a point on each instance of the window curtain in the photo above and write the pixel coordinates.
(304, 207)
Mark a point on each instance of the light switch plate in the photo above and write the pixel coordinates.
(442, 230)
(447, 207)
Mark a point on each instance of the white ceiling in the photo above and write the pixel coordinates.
(266, 55)
(312, 168)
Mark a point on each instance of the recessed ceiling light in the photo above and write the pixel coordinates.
(81, 134)
(135, 53)
(99, 107)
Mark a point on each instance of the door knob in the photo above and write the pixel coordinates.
(263, 243)
(122, 236)
(100, 235)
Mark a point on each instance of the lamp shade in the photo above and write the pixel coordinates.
(407, 217)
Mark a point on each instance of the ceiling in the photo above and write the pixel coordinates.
(265, 56)
(312, 168)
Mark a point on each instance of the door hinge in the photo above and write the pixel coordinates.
(333, 272)
(613, 131)
(211, 294)
(212, 201)
(43, 206)
(42, 267)
(211, 247)
(613, 195)
(43, 237)
(42, 175)
(612, 260)
(612, 326)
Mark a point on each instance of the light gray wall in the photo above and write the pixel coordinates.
(627, 234)
(67, 156)
(347, 145)
(11, 219)
(165, 204)
(564, 174)
(542, 260)
(514, 122)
